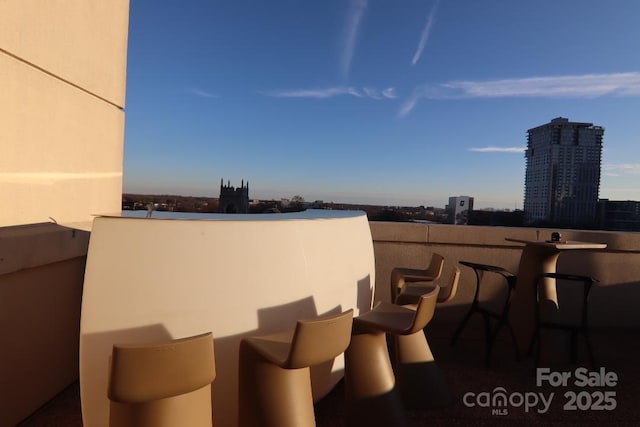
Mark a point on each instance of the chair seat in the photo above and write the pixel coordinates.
(414, 291)
(410, 295)
(391, 318)
(416, 275)
(275, 348)
(275, 370)
(402, 275)
(487, 267)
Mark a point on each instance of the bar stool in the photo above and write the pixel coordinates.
(400, 275)
(274, 374)
(372, 396)
(502, 317)
(164, 384)
(581, 328)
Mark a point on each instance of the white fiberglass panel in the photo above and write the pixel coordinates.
(155, 279)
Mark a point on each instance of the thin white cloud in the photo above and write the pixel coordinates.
(425, 33)
(372, 93)
(389, 93)
(356, 12)
(202, 93)
(498, 149)
(575, 86)
(409, 104)
(618, 169)
(332, 92)
(580, 86)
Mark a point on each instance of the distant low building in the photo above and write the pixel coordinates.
(458, 209)
(504, 218)
(619, 215)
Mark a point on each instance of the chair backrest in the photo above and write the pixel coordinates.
(449, 292)
(320, 339)
(162, 385)
(435, 266)
(424, 311)
(148, 372)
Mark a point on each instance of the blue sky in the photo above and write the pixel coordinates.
(391, 102)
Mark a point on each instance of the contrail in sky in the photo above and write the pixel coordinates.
(332, 92)
(498, 149)
(425, 34)
(614, 169)
(202, 93)
(571, 87)
(356, 12)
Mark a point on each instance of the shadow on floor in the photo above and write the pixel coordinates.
(463, 368)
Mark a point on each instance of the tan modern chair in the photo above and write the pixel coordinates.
(274, 375)
(579, 327)
(400, 276)
(164, 384)
(411, 294)
(372, 396)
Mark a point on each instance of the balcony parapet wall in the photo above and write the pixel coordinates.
(41, 275)
(613, 302)
(35, 245)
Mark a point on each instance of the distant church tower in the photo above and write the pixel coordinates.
(234, 200)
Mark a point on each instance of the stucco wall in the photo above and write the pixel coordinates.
(62, 80)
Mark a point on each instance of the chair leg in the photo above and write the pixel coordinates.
(494, 336)
(516, 350)
(488, 340)
(421, 383)
(589, 349)
(504, 321)
(371, 393)
(574, 347)
(271, 396)
(535, 342)
(462, 324)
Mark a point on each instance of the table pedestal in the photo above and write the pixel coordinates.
(538, 257)
(534, 261)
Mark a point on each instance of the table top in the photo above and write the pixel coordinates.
(562, 244)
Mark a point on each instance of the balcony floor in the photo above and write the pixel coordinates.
(463, 367)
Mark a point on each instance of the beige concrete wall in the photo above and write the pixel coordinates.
(62, 80)
(41, 275)
(62, 92)
(613, 302)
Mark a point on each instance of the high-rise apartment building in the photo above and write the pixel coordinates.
(563, 173)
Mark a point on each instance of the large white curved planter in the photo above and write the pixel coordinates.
(236, 275)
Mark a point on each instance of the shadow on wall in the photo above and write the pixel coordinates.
(364, 299)
(225, 387)
(614, 299)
